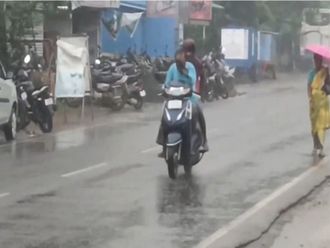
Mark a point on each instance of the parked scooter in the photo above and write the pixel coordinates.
(34, 104)
(134, 84)
(135, 89)
(160, 68)
(183, 134)
(111, 85)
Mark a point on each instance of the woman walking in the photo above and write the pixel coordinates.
(318, 89)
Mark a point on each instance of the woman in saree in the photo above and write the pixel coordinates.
(318, 89)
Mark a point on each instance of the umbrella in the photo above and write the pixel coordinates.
(321, 50)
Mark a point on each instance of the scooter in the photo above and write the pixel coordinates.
(182, 132)
(111, 85)
(135, 90)
(34, 104)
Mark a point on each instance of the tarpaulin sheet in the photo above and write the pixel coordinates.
(72, 71)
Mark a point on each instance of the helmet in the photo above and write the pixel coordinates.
(189, 45)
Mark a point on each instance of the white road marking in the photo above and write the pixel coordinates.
(258, 206)
(151, 149)
(4, 194)
(93, 167)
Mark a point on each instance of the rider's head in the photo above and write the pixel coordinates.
(189, 47)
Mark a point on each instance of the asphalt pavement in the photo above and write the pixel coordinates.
(102, 185)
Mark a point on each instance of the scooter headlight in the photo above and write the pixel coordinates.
(177, 91)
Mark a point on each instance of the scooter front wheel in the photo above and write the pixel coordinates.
(187, 169)
(172, 162)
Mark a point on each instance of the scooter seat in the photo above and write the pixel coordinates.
(39, 91)
(133, 78)
(125, 67)
(112, 78)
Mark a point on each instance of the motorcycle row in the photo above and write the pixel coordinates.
(182, 130)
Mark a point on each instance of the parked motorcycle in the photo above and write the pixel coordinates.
(34, 104)
(111, 85)
(219, 77)
(183, 134)
(135, 89)
(160, 68)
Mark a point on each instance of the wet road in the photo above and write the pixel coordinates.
(103, 186)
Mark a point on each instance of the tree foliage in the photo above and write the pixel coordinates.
(17, 20)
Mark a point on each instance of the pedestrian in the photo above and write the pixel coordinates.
(318, 89)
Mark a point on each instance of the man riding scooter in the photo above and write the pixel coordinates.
(184, 72)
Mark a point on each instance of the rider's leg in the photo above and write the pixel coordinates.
(201, 119)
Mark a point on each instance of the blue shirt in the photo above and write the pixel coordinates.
(173, 74)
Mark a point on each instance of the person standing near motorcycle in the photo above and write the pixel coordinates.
(184, 72)
(190, 51)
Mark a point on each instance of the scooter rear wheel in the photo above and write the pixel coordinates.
(139, 104)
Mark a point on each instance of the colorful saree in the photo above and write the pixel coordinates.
(319, 106)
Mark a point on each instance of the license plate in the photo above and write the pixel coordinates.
(142, 93)
(174, 104)
(24, 96)
(49, 101)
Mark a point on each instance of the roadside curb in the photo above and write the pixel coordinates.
(249, 226)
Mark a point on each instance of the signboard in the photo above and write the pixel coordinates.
(162, 8)
(236, 43)
(201, 10)
(95, 4)
(72, 69)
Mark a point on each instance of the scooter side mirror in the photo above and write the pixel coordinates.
(27, 59)
(97, 62)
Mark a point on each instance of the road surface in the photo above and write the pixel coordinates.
(104, 186)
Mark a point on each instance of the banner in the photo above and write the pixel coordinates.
(162, 8)
(201, 10)
(96, 4)
(130, 21)
(72, 69)
(119, 20)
